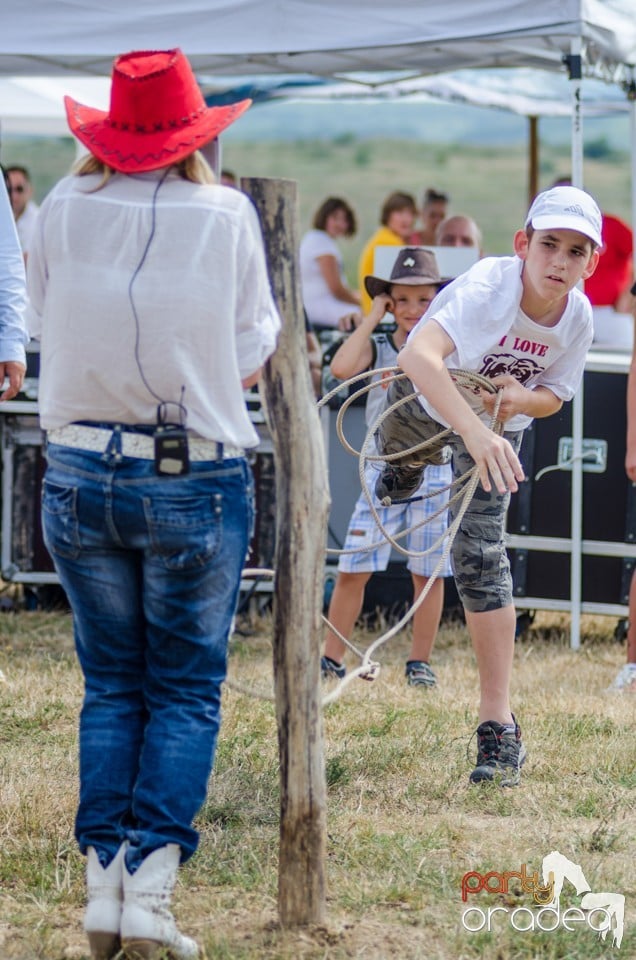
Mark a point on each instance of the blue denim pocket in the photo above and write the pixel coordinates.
(185, 532)
(60, 522)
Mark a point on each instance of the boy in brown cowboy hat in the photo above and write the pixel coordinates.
(406, 293)
(149, 288)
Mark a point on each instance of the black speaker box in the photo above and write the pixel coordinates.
(542, 507)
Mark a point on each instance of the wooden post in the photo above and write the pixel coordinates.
(302, 506)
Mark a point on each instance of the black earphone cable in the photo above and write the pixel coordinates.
(162, 404)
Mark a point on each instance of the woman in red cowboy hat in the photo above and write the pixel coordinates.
(149, 291)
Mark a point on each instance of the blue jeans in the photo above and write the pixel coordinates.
(151, 566)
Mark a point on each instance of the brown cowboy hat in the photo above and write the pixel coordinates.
(413, 266)
(157, 113)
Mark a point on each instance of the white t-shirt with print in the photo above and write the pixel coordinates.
(480, 312)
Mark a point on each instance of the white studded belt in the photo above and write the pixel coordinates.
(133, 444)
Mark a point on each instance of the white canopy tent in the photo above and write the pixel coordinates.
(324, 37)
(34, 106)
(522, 90)
(363, 42)
(356, 40)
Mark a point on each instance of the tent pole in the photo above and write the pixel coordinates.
(533, 158)
(212, 153)
(576, 508)
(573, 63)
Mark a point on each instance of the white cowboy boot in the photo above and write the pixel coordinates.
(103, 910)
(148, 929)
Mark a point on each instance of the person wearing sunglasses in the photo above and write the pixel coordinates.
(25, 210)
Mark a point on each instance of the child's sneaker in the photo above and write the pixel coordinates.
(330, 670)
(398, 483)
(625, 681)
(419, 674)
(500, 754)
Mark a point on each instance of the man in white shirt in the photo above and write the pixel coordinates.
(12, 303)
(25, 210)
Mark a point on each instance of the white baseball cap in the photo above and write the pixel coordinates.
(566, 208)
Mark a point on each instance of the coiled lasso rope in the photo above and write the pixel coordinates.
(463, 488)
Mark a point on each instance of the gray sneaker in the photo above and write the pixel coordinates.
(500, 754)
(419, 674)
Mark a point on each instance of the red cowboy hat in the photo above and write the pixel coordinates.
(157, 113)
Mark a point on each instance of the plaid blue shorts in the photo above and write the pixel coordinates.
(363, 530)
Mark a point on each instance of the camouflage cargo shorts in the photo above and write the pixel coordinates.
(479, 559)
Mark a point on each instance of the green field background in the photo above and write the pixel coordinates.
(488, 183)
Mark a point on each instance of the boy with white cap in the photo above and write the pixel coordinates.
(521, 322)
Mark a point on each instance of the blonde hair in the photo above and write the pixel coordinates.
(194, 168)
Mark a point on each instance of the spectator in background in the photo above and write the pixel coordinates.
(432, 211)
(459, 231)
(12, 301)
(25, 210)
(228, 178)
(327, 297)
(397, 219)
(608, 287)
(611, 286)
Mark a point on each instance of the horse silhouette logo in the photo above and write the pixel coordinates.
(557, 869)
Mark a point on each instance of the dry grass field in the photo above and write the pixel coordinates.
(404, 825)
